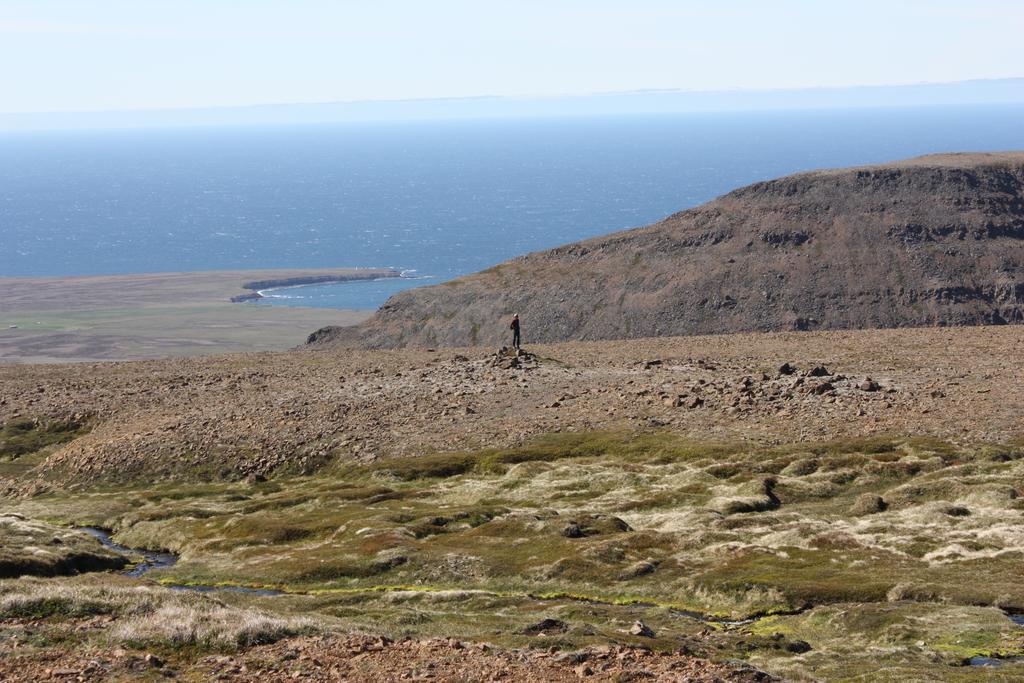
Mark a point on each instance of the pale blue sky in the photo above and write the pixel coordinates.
(66, 55)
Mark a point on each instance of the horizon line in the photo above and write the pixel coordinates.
(513, 97)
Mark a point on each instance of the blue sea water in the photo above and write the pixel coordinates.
(438, 199)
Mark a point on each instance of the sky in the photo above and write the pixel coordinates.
(103, 55)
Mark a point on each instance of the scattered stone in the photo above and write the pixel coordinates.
(642, 568)
(583, 671)
(798, 646)
(787, 369)
(546, 626)
(573, 531)
(869, 385)
(822, 388)
(819, 371)
(577, 657)
(639, 628)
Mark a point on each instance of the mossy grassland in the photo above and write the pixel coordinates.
(24, 436)
(32, 547)
(150, 616)
(598, 529)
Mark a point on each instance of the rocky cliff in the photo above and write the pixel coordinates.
(936, 240)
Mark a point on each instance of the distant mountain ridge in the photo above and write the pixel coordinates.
(638, 102)
(935, 240)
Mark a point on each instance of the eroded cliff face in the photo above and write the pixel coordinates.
(936, 240)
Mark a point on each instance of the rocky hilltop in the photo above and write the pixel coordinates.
(932, 241)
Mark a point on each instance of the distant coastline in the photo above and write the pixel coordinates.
(159, 315)
(259, 286)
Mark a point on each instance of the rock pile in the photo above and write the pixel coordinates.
(510, 358)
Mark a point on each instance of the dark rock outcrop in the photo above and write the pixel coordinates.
(932, 241)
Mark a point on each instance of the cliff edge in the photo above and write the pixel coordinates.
(931, 241)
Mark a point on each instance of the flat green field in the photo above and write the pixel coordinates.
(156, 315)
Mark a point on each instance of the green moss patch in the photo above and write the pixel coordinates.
(24, 436)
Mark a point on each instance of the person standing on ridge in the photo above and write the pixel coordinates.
(514, 326)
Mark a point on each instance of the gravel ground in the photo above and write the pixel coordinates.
(246, 414)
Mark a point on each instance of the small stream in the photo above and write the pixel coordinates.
(155, 560)
(150, 560)
(994, 661)
(999, 661)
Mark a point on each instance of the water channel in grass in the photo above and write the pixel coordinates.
(157, 560)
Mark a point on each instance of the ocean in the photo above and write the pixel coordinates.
(435, 200)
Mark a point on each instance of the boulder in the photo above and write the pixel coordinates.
(573, 531)
(639, 628)
(822, 388)
(546, 626)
